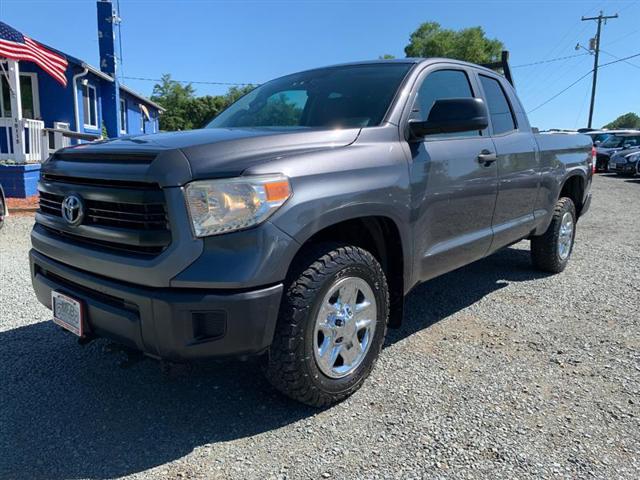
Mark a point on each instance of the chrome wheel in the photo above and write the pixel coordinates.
(344, 327)
(565, 239)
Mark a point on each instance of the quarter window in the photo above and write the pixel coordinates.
(438, 85)
(90, 107)
(500, 112)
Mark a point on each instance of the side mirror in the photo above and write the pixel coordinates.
(452, 115)
(597, 142)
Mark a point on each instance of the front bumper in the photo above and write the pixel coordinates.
(625, 168)
(169, 323)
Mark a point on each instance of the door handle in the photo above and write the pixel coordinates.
(487, 158)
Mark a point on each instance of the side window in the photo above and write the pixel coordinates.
(439, 85)
(499, 109)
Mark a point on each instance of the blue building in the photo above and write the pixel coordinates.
(38, 114)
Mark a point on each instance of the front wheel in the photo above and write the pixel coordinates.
(331, 327)
(551, 250)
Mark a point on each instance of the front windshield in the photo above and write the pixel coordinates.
(335, 97)
(617, 141)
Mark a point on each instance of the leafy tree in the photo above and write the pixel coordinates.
(470, 44)
(234, 93)
(199, 110)
(628, 120)
(386, 56)
(175, 98)
(185, 111)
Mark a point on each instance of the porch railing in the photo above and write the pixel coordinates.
(35, 142)
(28, 147)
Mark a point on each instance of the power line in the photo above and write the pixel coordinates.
(550, 61)
(620, 60)
(581, 78)
(615, 56)
(561, 92)
(626, 35)
(558, 46)
(193, 81)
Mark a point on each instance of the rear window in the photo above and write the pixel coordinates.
(617, 141)
(502, 119)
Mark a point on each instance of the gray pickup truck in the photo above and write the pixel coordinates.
(293, 226)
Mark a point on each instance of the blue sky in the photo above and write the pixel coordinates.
(254, 41)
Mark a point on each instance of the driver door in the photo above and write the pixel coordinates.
(453, 190)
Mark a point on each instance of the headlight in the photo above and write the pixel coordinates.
(226, 205)
(634, 157)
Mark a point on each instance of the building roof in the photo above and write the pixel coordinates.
(97, 72)
(133, 93)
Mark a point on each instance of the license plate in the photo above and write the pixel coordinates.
(612, 166)
(67, 312)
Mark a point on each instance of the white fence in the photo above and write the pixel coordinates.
(28, 146)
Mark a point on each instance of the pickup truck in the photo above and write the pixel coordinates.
(295, 224)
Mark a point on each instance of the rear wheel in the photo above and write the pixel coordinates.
(551, 251)
(331, 326)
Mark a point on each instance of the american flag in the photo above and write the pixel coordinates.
(17, 46)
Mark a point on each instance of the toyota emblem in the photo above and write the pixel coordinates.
(72, 209)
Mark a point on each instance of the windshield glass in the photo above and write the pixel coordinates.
(617, 141)
(349, 96)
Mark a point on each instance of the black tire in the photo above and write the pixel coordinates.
(544, 248)
(291, 366)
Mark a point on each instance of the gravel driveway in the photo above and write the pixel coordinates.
(498, 372)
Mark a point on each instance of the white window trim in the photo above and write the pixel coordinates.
(123, 110)
(95, 104)
(36, 93)
(34, 88)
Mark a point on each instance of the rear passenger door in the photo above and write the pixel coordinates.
(518, 162)
(453, 192)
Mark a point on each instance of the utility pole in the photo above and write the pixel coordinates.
(600, 18)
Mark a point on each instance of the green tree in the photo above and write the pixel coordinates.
(234, 93)
(186, 111)
(386, 56)
(628, 120)
(175, 98)
(469, 44)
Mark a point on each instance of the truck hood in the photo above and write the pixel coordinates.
(214, 152)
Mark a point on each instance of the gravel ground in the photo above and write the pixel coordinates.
(498, 372)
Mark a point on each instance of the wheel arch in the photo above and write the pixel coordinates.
(381, 235)
(574, 187)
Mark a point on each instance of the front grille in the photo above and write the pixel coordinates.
(118, 215)
(150, 216)
(93, 243)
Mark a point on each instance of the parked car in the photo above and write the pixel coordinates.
(613, 144)
(4, 211)
(625, 162)
(599, 136)
(295, 224)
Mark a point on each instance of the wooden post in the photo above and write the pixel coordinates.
(19, 152)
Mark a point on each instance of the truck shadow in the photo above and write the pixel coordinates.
(68, 412)
(443, 296)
